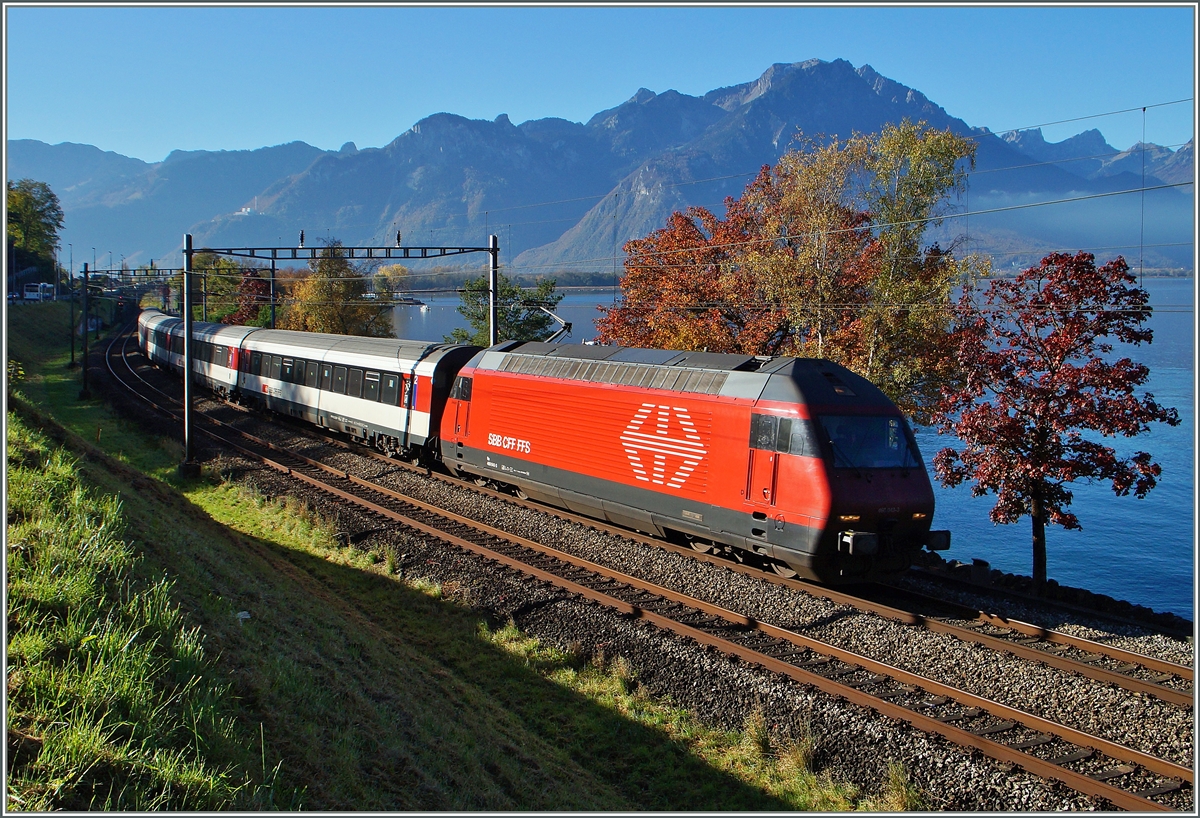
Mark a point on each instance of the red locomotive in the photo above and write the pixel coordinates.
(799, 460)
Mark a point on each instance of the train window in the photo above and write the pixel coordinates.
(803, 439)
(326, 377)
(371, 386)
(339, 380)
(391, 388)
(243, 361)
(462, 388)
(286, 372)
(354, 384)
(783, 441)
(863, 441)
(256, 363)
(763, 432)
(313, 376)
(276, 366)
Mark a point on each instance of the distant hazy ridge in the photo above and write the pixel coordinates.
(566, 195)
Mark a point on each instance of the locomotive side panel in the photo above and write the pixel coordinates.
(647, 459)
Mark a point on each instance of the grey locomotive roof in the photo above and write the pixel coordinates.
(783, 379)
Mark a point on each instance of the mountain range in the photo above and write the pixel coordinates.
(565, 195)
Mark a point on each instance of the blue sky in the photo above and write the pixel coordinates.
(145, 81)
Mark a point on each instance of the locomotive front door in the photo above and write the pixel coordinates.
(461, 393)
(763, 469)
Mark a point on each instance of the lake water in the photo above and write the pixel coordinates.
(1138, 550)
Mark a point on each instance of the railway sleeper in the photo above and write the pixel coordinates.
(873, 679)
(959, 715)
(1112, 772)
(1067, 758)
(999, 727)
(1162, 789)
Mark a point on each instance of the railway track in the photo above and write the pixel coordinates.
(1126, 777)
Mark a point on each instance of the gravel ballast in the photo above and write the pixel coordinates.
(854, 744)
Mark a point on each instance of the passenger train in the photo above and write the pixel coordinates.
(797, 460)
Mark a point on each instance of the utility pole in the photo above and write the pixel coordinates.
(71, 295)
(493, 288)
(84, 394)
(189, 467)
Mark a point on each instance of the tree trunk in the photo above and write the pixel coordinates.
(1038, 514)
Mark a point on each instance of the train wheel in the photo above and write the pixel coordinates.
(521, 495)
(783, 569)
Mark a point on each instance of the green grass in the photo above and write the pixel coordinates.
(112, 702)
(194, 644)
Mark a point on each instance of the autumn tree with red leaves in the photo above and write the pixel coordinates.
(684, 288)
(1033, 352)
(253, 294)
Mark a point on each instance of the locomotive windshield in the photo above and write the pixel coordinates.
(866, 442)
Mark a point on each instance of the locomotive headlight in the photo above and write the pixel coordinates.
(848, 518)
(920, 515)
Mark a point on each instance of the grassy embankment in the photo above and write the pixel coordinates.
(192, 645)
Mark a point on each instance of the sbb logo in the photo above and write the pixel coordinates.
(663, 445)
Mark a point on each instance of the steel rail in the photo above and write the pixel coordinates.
(1180, 697)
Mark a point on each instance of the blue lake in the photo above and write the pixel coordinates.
(1138, 550)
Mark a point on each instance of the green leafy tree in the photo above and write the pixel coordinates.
(390, 277)
(221, 278)
(517, 317)
(33, 221)
(912, 171)
(332, 298)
